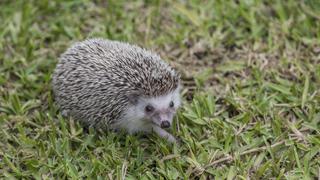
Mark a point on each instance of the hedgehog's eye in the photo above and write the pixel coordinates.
(171, 104)
(149, 108)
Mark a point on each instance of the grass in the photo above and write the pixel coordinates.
(251, 75)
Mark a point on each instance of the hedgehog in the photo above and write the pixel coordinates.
(113, 85)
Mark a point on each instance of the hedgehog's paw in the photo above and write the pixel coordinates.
(164, 134)
(172, 139)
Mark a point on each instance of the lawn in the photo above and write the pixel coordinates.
(251, 96)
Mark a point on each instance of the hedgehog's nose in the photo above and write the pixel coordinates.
(165, 124)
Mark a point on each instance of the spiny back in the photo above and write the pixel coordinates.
(131, 67)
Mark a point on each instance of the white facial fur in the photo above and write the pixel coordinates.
(137, 119)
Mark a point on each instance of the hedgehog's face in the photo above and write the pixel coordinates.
(160, 110)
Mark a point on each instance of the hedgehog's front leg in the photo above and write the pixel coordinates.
(164, 134)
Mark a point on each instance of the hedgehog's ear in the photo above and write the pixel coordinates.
(133, 98)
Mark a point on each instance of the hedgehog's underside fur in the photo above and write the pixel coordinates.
(95, 79)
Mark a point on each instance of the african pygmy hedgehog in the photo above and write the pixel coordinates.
(113, 85)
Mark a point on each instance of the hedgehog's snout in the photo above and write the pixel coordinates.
(165, 124)
(162, 118)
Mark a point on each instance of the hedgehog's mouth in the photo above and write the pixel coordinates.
(156, 124)
(163, 125)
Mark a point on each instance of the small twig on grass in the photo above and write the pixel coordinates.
(295, 130)
(170, 156)
(254, 150)
(240, 129)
